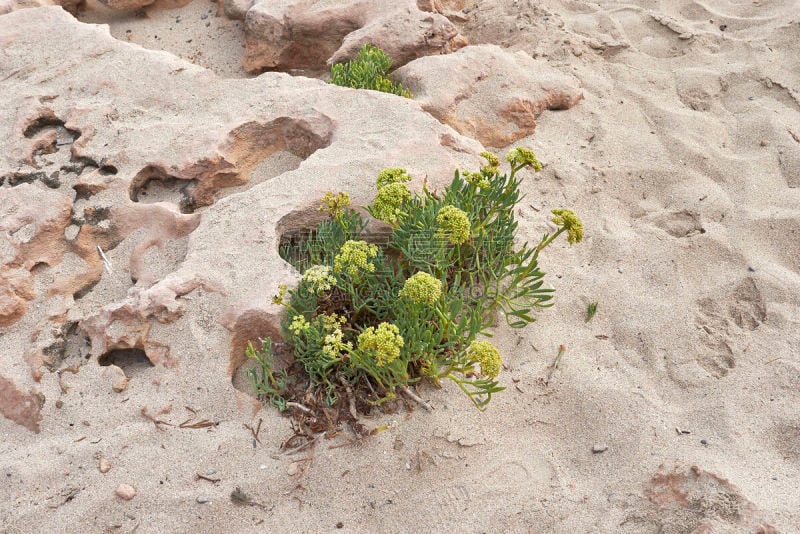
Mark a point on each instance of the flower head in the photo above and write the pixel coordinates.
(523, 157)
(392, 175)
(567, 219)
(353, 258)
(299, 325)
(335, 204)
(477, 179)
(334, 345)
(388, 203)
(422, 288)
(278, 299)
(493, 166)
(453, 224)
(382, 343)
(331, 321)
(319, 278)
(487, 356)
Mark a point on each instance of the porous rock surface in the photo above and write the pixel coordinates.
(7, 6)
(143, 200)
(487, 93)
(314, 34)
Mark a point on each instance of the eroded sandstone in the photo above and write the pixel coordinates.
(312, 35)
(487, 93)
(111, 152)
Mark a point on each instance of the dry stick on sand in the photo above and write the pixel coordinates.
(416, 398)
(561, 350)
(350, 398)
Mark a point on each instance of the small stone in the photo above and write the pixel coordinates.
(119, 382)
(126, 492)
(202, 500)
(703, 442)
(339, 525)
(210, 472)
(59, 404)
(105, 465)
(599, 447)
(293, 469)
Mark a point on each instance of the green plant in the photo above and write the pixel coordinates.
(367, 71)
(373, 320)
(591, 310)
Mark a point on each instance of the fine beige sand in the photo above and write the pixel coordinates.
(674, 410)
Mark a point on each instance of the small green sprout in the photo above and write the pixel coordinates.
(590, 311)
(367, 71)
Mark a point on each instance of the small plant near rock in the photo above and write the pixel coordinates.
(366, 322)
(367, 71)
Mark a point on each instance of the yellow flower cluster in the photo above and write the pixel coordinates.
(392, 175)
(388, 203)
(353, 258)
(487, 356)
(567, 219)
(335, 204)
(494, 163)
(278, 299)
(524, 157)
(331, 321)
(299, 325)
(319, 278)
(334, 344)
(382, 343)
(422, 288)
(477, 179)
(453, 225)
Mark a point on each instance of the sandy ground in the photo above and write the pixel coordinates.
(684, 163)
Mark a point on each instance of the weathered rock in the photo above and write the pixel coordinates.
(295, 34)
(126, 492)
(104, 465)
(691, 500)
(236, 9)
(24, 408)
(119, 382)
(441, 6)
(123, 5)
(7, 6)
(488, 93)
(225, 166)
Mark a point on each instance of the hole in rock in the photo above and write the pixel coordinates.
(299, 230)
(153, 185)
(82, 292)
(16, 178)
(70, 348)
(251, 327)
(131, 361)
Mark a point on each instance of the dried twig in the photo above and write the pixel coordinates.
(300, 447)
(416, 398)
(106, 261)
(198, 476)
(203, 423)
(298, 406)
(256, 430)
(350, 398)
(156, 421)
(561, 350)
